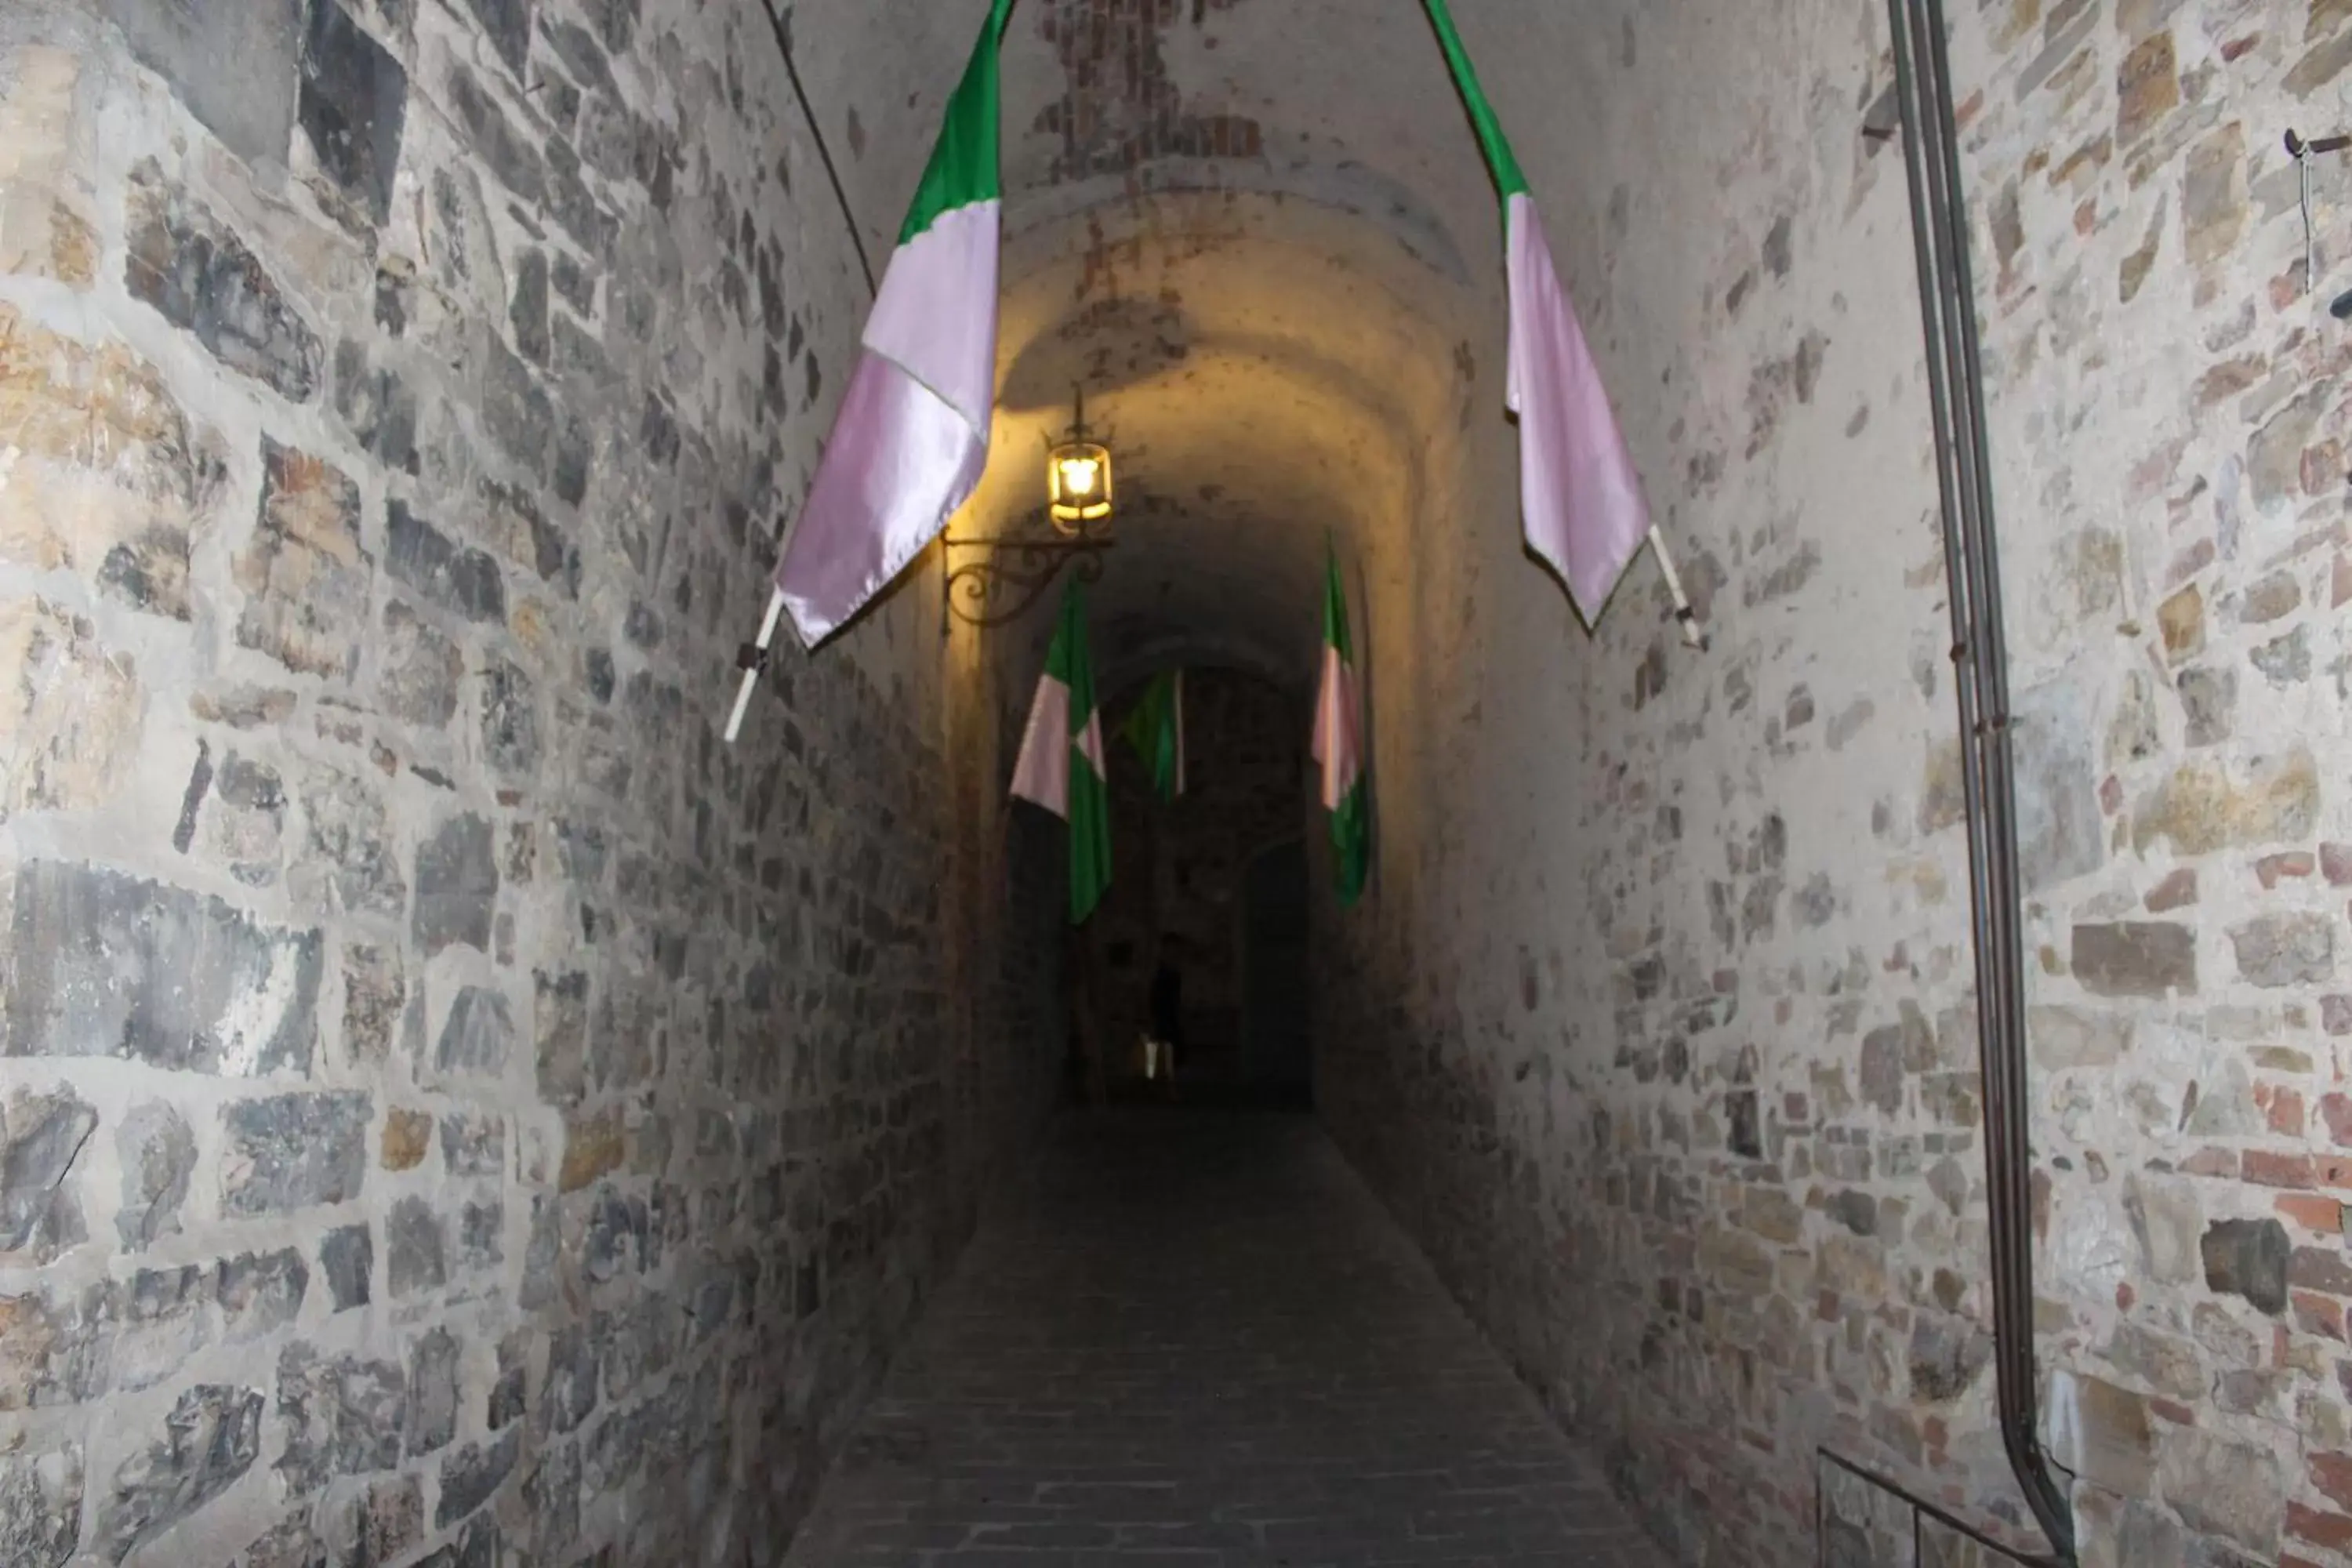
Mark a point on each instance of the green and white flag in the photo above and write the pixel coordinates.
(911, 438)
(1579, 494)
(1340, 745)
(1061, 766)
(1155, 730)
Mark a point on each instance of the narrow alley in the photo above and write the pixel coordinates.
(1198, 1342)
(911, 783)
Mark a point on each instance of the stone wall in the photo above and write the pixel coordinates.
(1658, 1026)
(452, 1109)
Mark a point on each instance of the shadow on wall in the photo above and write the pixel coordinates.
(1106, 344)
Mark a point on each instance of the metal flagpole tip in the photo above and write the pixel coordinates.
(742, 706)
(1685, 614)
(751, 659)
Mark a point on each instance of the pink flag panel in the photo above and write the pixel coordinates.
(901, 461)
(1581, 499)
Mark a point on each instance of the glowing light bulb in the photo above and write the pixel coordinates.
(1079, 475)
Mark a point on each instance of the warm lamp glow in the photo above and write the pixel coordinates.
(1079, 482)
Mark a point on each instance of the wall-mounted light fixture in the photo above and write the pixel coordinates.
(1080, 497)
(1078, 480)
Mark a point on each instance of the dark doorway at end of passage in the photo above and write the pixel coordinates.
(1260, 1055)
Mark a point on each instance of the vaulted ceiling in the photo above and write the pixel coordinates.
(1260, 235)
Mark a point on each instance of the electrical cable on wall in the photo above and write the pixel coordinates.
(823, 149)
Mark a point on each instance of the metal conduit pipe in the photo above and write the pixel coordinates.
(1980, 660)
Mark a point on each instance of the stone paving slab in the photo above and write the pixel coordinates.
(1199, 1343)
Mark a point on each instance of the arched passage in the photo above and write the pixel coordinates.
(1173, 950)
(1279, 379)
(454, 1108)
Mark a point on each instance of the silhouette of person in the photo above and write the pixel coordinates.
(1167, 1005)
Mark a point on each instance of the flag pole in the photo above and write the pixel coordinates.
(754, 657)
(1692, 635)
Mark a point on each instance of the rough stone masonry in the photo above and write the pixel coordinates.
(1670, 1060)
(452, 1110)
(455, 1110)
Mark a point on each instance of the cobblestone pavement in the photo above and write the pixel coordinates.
(1201, 1343)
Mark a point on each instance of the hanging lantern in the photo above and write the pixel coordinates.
(1079, 485)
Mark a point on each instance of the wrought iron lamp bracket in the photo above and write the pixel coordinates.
(1013, 572)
